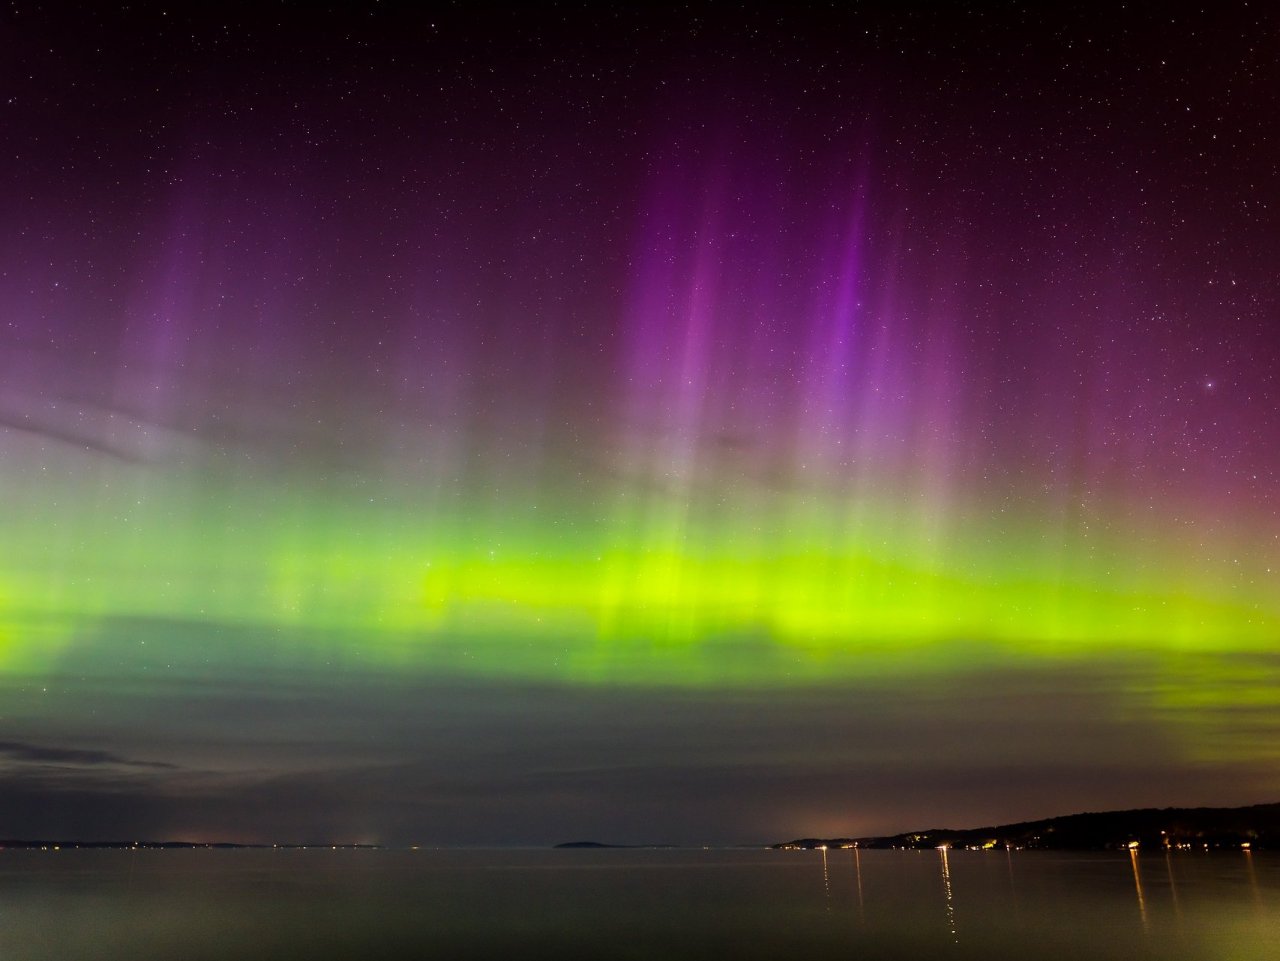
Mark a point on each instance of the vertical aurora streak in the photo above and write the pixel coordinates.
(818, 462)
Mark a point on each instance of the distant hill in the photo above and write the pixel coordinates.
(1257, 827)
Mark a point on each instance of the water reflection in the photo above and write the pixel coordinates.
(1253, 877)
(1173, 889)
(946, 887)
(598, 905)
(857, 873)
(826, 876)
(1137, 883)
(1013, 885)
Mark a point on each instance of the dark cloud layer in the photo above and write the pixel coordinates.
(74, 757)
(287, 752)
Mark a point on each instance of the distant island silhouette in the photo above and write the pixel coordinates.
(590, 844)
(1253, 828)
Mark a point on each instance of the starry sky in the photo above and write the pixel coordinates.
(467, 424)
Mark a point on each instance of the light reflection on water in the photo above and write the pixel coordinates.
(826, 877)
(1173, 888)
(1137, 883)
(857, 874)
(946, 887)
(666, 904)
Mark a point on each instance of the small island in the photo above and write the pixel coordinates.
(589, 844)
(1254, 827)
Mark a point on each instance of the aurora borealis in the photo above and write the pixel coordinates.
(609, 414)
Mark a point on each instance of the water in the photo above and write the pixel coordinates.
(601, 904)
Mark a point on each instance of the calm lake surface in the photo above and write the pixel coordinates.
(320, 904)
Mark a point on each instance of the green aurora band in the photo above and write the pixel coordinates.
(785, 597)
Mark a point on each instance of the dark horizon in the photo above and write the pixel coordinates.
(1095, 829)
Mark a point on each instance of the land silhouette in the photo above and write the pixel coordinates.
(1254, 827)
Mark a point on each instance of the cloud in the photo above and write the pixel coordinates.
(65, 435)
(284, 754)
(25, 753)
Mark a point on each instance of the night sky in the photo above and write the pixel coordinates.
(485, 425)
